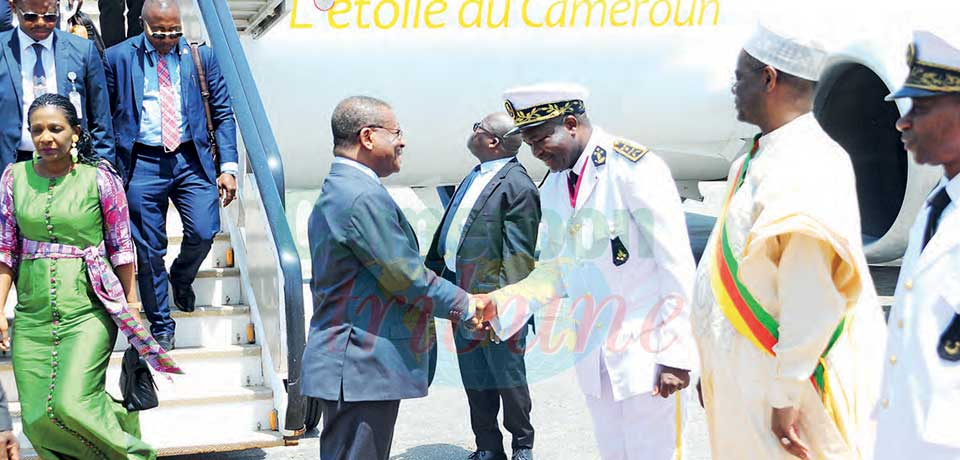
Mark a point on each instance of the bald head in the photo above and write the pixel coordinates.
(353, 114)
(499, 124)
(162, 8)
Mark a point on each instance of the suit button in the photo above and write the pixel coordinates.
(886, 403)
(893, 359)
(899, 324)
(908, 284)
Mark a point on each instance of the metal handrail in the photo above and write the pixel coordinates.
(267, 165)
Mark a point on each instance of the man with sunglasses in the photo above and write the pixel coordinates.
(37, 58)
(162, 140)
(486, 240)
(614, 250)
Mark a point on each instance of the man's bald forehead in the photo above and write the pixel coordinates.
(36, 6)
(498, 123)
(160, 6)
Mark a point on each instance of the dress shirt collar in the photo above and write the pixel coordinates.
(26, 42)
(953, 188)
(784, 131)
(493, 166)
(356, 165)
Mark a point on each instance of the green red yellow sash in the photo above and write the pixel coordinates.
(740, 307)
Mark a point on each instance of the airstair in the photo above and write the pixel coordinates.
(241, 348)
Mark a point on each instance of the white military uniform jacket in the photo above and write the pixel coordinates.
(623, 251)
(920, 400)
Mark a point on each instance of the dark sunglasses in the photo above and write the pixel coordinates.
(30, 16)
(162, 35)
(477, 126)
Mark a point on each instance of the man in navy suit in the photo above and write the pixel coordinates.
(162, 140)
(35, 59)
(485, 241)
(372, 339)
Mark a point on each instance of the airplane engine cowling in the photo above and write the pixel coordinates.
(891, 187)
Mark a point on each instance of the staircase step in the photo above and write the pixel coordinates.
(201, 421)
(218, 287)
(205, 369)
(216, 258)
(207, 326)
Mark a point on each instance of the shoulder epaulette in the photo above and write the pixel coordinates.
(630, 151)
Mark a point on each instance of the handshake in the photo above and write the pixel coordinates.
(485, 309)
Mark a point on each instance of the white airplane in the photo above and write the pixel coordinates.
(666, 86)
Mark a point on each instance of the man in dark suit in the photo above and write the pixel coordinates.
(372, 340)
(485, 241)
(162, 140)
(112, 24)
(36, 58)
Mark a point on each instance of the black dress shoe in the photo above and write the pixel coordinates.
(183, 297)
(487, 455)
(522, 454)
(166, 341)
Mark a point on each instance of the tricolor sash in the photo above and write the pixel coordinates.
(743, 311)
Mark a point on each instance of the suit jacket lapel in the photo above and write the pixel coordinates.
(136, 74)
(64, 61)
(11, 55)
(186, 76)
(482, 200)
(942, 241)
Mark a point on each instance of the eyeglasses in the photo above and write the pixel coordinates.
(479, 127)
(397, 133)
(30, 16)
(162, 35)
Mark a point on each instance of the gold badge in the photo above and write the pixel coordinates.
(619, 251)
(631, 152)
(574, 229)
(599, 156)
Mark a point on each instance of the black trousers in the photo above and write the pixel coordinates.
(112, 28)
(495, 374)
(360, 430)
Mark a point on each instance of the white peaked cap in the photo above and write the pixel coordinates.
(533, 105)
(794, 55)
(934, 62)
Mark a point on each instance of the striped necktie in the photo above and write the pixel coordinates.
(170, 116)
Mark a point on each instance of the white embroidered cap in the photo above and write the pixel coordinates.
(794, 55)
(535, 104)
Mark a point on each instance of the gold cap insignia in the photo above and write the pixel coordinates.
(540, 113)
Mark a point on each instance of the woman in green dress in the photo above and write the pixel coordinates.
(65, 241)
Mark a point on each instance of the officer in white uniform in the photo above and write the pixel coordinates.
(614, 245)
(920, 402)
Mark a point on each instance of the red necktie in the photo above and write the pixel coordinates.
(170, 117)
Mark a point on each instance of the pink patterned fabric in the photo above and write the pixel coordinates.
(109, 290)
(116, 216)
(9, 232)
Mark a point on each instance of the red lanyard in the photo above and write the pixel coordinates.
(576, 190)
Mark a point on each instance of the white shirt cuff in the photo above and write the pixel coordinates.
(230, 167)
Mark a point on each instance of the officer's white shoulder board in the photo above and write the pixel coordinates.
(629, 150)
